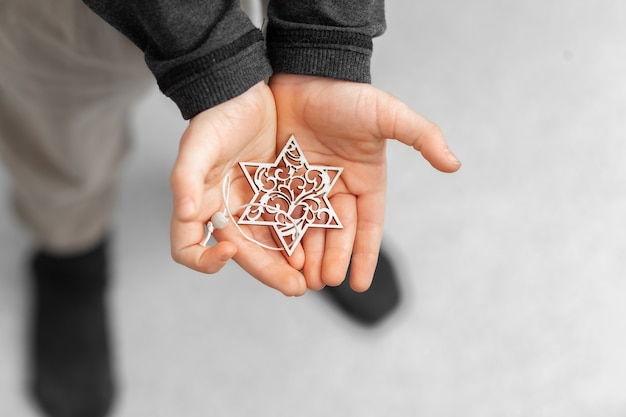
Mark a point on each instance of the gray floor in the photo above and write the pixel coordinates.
(513, 269)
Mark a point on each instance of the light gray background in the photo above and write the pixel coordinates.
(513, 269)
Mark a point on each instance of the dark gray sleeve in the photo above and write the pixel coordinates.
(201, 52)
(324, 37)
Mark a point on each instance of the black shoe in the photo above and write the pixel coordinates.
(373, 305)
(70, 356)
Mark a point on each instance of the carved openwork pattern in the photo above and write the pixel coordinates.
(290, 195)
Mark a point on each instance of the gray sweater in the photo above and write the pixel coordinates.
(205, 52)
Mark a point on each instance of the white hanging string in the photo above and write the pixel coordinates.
(218, 222)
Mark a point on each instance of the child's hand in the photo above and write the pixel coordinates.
(346, 124)
(242, 129)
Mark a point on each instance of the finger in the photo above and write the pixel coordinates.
(297, 258)
(371, 212)
(186, 250)
(339, 242)
(313, 243)
(208, 260)
(398, 121)
(268, 267)
(188, 176)
(271, 269)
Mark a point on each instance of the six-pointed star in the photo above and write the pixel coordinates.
(290, 195)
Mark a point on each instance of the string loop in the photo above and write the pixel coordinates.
(211, 225)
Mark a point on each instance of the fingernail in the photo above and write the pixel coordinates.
(451, 157)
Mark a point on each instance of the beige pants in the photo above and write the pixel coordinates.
(67, 80)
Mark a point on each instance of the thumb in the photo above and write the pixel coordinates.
(400, 122)
(187, 178)
(186, 194)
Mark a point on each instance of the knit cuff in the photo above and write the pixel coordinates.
(328, 53)
(218, 77)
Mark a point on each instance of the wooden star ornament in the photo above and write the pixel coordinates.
(290, 195)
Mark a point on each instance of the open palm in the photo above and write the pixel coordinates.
(216, 140)
(346, 124)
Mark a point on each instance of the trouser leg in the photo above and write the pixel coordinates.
(67, 81)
